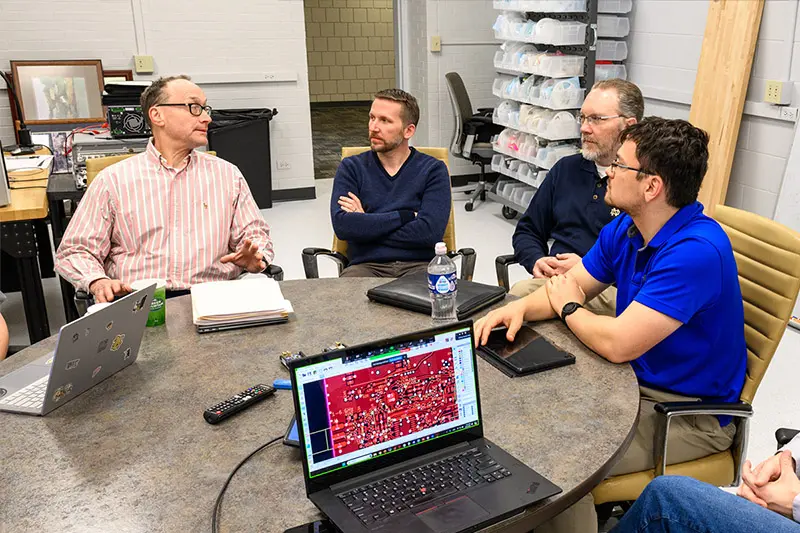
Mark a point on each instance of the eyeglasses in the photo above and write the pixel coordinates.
(195, 109)
(616, 164)
(594, 120)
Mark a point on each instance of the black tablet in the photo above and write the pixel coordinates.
(529, 353)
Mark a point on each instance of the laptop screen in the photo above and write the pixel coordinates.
(384, 398)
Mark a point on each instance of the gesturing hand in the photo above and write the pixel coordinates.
(105, 290)
(351, 203)
(248, 257)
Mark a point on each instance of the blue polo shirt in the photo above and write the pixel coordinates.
(687, 271)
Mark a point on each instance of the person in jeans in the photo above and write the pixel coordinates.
(768, 500)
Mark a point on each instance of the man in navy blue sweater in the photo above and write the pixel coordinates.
(392, 203)
(569, 207)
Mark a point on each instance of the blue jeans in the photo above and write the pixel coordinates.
(676, 504)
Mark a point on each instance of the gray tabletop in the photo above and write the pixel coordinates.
(134, 453)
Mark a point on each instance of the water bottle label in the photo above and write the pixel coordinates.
(442, 283)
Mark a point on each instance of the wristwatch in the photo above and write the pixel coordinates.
(568, 309)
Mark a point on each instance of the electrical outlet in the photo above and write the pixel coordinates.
(436, 43)
(777, 92)
(789, 113)
(282, 164)
(143, 64)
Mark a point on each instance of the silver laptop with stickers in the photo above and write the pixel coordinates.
(89, 350)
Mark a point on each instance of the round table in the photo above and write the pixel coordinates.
(133, 454)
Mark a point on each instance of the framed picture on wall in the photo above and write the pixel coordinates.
(115, 76)
(59, 92)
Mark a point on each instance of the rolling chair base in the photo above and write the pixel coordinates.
(478, 192)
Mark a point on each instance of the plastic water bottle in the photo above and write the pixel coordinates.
(442, 283)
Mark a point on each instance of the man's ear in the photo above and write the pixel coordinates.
(409, 131)
(630, 120)
(655, 186)
(156, 118)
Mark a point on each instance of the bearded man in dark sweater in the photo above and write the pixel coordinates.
(391, 203)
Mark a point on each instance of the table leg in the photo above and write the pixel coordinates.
(18, 239)
(58, 217)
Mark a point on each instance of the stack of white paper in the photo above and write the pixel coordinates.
(250, 300)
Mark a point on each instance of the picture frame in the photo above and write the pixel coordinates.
(59, 92)
(114, 76)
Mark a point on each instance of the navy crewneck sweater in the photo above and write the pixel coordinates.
(388, 230)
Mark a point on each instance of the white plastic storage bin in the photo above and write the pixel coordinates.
(519, 192)
(544, 6)
(560, 94)
(612, 50)
(606, 72)
(558, 32)
(610, 26)
(527, 196)
(556, 66)
(614, 6)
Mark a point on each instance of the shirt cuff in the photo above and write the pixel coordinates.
(796, 508)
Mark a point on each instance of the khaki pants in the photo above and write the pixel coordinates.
(690, 437)
(604, 303)
(394, 269)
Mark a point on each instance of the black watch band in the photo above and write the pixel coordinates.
(568, 309)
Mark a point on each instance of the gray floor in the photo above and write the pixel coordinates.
(296, 225)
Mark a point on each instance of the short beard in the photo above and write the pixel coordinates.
(387, 146)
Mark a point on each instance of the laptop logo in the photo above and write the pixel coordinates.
(533, 487)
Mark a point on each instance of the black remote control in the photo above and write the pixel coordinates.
(237, 402)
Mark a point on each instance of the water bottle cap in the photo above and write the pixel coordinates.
(441, 248)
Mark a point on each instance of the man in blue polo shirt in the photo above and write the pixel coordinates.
(680, 316)
(569, 207)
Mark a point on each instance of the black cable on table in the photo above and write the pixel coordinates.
(227, 481)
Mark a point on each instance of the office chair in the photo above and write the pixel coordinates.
(338, 251)
(94, 166)
(784, 435)
(768, 260)
(472, 133)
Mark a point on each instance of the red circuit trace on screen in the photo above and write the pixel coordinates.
(419, 393)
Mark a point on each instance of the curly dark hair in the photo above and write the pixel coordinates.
(674, 150)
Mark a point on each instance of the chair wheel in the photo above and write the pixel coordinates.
(468, 206)
(507, 212)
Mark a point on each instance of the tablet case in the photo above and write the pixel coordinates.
(411, 292)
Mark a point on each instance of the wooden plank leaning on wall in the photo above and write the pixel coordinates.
(720, 88)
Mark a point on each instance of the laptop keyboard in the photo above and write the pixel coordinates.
(30, 396)
(382, 499)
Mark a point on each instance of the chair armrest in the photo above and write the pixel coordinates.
(478, 121)
(275, 272)
(501, 264)
(310, 265)
(485, 110)
(83, 300)
(741, 412)
(468, 258)
(784, 435)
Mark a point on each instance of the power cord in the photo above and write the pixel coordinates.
(214, 514)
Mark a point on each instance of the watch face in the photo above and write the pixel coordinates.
(569, 308)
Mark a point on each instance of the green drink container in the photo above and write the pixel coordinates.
(158, 307)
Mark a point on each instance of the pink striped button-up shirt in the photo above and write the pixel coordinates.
(142, 219)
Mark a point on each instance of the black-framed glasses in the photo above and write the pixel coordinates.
(616, 164)
(195, 109)
(594, 120)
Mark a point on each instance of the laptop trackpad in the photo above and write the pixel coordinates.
(454, 515)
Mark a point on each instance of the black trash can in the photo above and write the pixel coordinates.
(241, 136)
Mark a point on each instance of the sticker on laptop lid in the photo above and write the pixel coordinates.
(72, 365)
(49, 362)
(127, 354)
(117, 342)
(67, 388)
(109, 325)
(58, 394)
(102, 346)
(75, 337)
(96, 371)
(139, 305)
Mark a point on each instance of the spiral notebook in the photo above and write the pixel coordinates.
(239, 303)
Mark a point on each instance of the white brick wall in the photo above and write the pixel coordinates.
(196, 37)
(455, 21)
(665, 43)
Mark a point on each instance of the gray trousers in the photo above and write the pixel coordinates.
(394, 269)
(690, 437)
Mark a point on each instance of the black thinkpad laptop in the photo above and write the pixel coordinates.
(392, 438)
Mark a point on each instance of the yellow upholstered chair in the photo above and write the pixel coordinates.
(338, 251)
(768, 259)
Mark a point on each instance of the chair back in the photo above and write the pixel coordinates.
(768, 260)
(440, 154)
(462, 109)
(97, 164)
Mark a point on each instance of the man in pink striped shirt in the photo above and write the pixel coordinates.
(169, 213)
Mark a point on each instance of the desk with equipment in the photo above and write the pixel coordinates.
(134, 452)
(20, 238)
